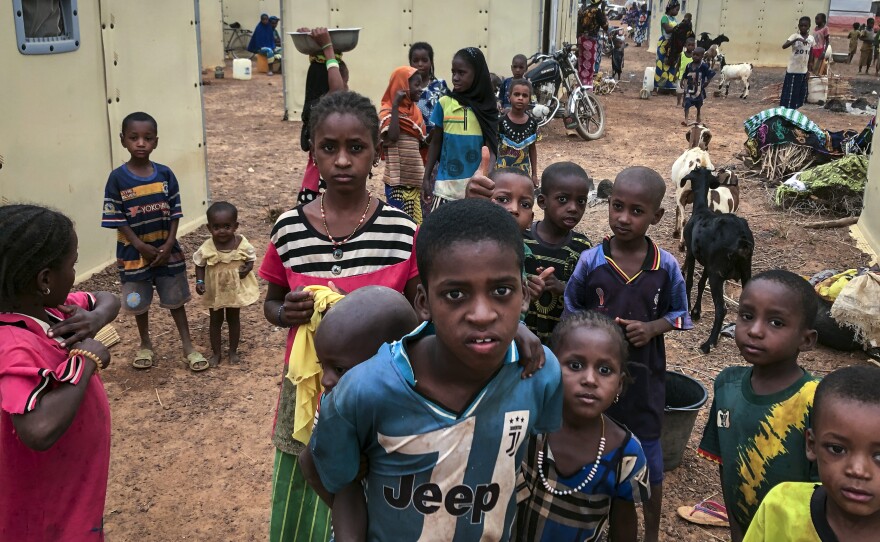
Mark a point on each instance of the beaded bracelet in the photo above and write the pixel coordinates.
(91, 355)
(280, 310)
(199, 281)
(326, 46)
(332, 63)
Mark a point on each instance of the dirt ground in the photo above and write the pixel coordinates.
(191, 457)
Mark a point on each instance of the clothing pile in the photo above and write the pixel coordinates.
(781, 141)
(848, 317)
(837, 187)
(856, 307)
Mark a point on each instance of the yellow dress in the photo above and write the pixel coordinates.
(223, 287)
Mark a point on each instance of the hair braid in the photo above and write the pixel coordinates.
(345, 103)
(32, 238)
(594, 320)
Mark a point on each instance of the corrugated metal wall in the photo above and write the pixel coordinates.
(211, 33)
(501, 28)
(62, 113)
(869, 221)
(756, 28)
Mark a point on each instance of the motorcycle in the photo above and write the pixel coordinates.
(557, 73)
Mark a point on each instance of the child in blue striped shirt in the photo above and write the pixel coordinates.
(142, 202)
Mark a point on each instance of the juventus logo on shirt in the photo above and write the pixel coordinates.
(515, 427)
(723, 419)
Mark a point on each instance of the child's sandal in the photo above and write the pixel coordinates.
(197, 362)
(143, 359)
(706, 512)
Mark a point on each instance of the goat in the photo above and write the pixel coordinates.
(711, 55)
(705, 42)
(724, 199)
(696, 156)
(730, 72)
(722, 243)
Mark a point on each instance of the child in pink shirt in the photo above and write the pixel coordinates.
(54, 414)
(821, 37)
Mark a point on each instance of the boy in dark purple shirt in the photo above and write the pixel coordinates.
(641, 286)
(694, 80)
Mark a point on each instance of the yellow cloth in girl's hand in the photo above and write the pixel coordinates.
(303, 367)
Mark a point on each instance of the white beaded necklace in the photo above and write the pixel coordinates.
(586, 480)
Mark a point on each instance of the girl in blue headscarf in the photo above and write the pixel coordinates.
(263, 41)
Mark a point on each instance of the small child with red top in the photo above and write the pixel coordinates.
(821, 36)
(54, 414)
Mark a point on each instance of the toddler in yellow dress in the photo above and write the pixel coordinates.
(224, 276)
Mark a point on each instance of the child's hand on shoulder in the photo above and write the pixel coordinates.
(95, 347)
(531, 351)
(81, 323)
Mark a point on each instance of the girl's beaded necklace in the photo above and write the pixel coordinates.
(337, 245)
(586, 481)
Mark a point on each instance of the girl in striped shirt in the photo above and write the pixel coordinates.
(346, 237)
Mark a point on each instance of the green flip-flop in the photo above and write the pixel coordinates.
(143, 359)
(197, 362)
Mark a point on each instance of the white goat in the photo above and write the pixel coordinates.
(724, 199)
(730, 72)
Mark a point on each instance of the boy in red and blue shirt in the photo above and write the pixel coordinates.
(629, 278)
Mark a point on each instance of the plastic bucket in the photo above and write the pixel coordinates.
(262, 64)
(684, 399)
(817, 90)
(648, 79)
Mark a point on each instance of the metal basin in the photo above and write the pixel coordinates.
(840, 58)
(343, 39)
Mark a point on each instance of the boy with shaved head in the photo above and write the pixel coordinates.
(357, 326)
(845, 442)
(631, 279)
(351, 333)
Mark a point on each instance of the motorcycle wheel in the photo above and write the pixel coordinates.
(590, 117)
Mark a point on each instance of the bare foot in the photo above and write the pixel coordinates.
(233, 358)
(214, 360)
